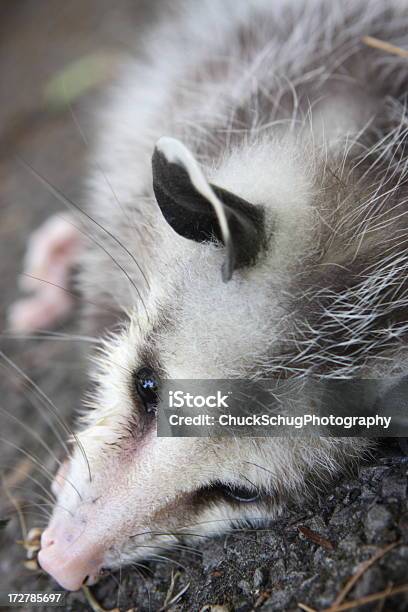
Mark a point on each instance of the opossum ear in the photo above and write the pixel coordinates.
(197, 210)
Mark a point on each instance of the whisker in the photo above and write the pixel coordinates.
(48, 494)
(41, 507)
(44, 336)
(189, 549)
(115, 261)
(170, 533)
(164, 559)
(39, 516)
(37, 462)
(231, 519)
(136, 567)
(58, 334)
(144, 567)
(261, 467)
(74, 295)
(43, 414)
(16, 505)
(30, 456)
(172, 546)
(119, 365)
(108, 182)
(40, 496)
(70, 204)
(52, 408)
(120, 578)
(47, 503)
(31, 432)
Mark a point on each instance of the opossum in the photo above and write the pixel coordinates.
(247, 218)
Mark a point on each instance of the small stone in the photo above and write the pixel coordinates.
(307, 585)
(341, 516)
(242, 606)
(296, 578)
(31, 565)
(367, 492)
(278, 601)
(395, 486)
(325, 599)
(371, 581)
(348, 545)
(258, 578)
(213, 556)
(278, 570)
(321, 558)
(397, 563)
(244, 587)
(403, 526)
(354, 494)
(377, 521)
(403, 552)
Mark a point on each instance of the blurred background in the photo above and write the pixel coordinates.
(55, 58)
(52, 53)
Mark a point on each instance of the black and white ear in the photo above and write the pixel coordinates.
(197, 210)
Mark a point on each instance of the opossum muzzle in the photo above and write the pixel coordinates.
(71, 560)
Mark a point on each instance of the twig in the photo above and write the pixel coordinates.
(362, 601)
(94, 604)
(376, 43)
(303, 606)
(174, 577)
(362, 568)
(175, 598)
(19, 473)
(263, 597)
(16, 505)
(315, 537)
(380, 606)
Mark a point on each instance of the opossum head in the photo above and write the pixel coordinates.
(217, 278)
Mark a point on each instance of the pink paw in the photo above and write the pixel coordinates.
(52, 251)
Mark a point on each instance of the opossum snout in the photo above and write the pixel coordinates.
(69, 558)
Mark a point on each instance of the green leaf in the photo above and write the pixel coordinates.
(77, 78)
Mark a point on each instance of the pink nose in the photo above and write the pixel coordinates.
(69, 562)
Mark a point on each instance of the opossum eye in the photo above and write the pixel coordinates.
(147, 387)
(237, 493)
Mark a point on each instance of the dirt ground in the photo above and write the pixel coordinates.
(310, 553)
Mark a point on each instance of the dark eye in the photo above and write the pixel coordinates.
(147, 387)
(237, 493)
